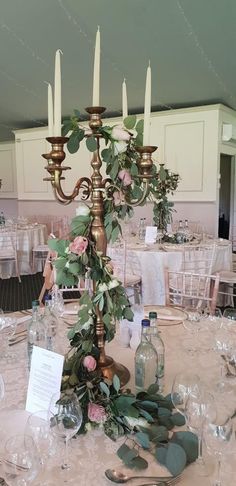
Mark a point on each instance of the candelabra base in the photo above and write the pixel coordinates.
(111, 368)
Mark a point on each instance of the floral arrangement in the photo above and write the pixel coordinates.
(120, 157)
(146, 417)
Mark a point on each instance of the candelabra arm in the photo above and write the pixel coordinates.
(84, 184)
(125, 196)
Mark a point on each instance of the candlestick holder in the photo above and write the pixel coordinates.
(95, 188)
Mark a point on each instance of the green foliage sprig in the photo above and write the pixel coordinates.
(120, 157)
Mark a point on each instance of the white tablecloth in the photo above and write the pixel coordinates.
(27, 237)
(95, 452)
(153, 261)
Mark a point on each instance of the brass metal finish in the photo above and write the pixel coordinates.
(145, 162)
(94, 189)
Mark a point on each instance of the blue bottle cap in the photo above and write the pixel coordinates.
(145, 322)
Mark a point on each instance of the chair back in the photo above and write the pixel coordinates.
(199, 259)
(126, 265)
(185, 288)
(8, 244)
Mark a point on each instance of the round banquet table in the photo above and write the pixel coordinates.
(95, 452)
(153, 260)
(28, 236)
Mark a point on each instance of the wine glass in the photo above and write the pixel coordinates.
(65, 419)
(20, 460)
(37, 426)
(199, 409)
(183, 384)
(193, 325)
(229, 316)
(7, 330)
(217, 439)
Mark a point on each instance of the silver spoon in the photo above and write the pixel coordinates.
(119, 477)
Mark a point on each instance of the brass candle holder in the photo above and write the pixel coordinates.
(94, 188)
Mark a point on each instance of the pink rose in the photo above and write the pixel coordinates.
(96, 413)
(125, 177)
(117, 198)
(120, 134)
(79, 245)
(90, 363)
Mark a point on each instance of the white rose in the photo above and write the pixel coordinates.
(119, 147)
(113, 283)
(102, 287)
(82, 210)
(67, 265)
(120, 134)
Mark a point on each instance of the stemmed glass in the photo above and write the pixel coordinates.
(183, 384)
(217, 439)
(193, 325)
(37, 426)
(230, 315)
(65, 418)
(7, 330)
(199, 409)
(20, 460)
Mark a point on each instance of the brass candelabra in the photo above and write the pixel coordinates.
(94, 189)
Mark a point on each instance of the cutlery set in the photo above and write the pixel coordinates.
(120, 478)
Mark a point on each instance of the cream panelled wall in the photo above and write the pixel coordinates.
(189, 142)
(8, 171)
(189, 145)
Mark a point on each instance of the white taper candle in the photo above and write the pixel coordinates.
(124, 100)
(57, 95)
(96, 71)
(50, 111)
(147, 107)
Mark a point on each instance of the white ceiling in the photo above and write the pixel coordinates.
(190, 43)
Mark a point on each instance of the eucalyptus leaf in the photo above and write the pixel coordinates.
(161, 453)
(143, 439)
(123, 451)
(189, 442)
(73, 143)
(129, 122)
(150, 406)
(114, 170)
(176, 459)
(74, 268)
(116, 382)
(139, 463)
(91, 144)
(178, 419)
(105, 388)
(139, 127)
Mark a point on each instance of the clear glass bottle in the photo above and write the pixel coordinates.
(180, 232)
(2, 219)
(36, 335)
(142, 229)
(159, 347)
(146, 360)
(186, 230)
(50, 322)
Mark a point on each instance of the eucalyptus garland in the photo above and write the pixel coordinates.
(120, 157)
(146, 418)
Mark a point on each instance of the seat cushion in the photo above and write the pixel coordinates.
(227, 276)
